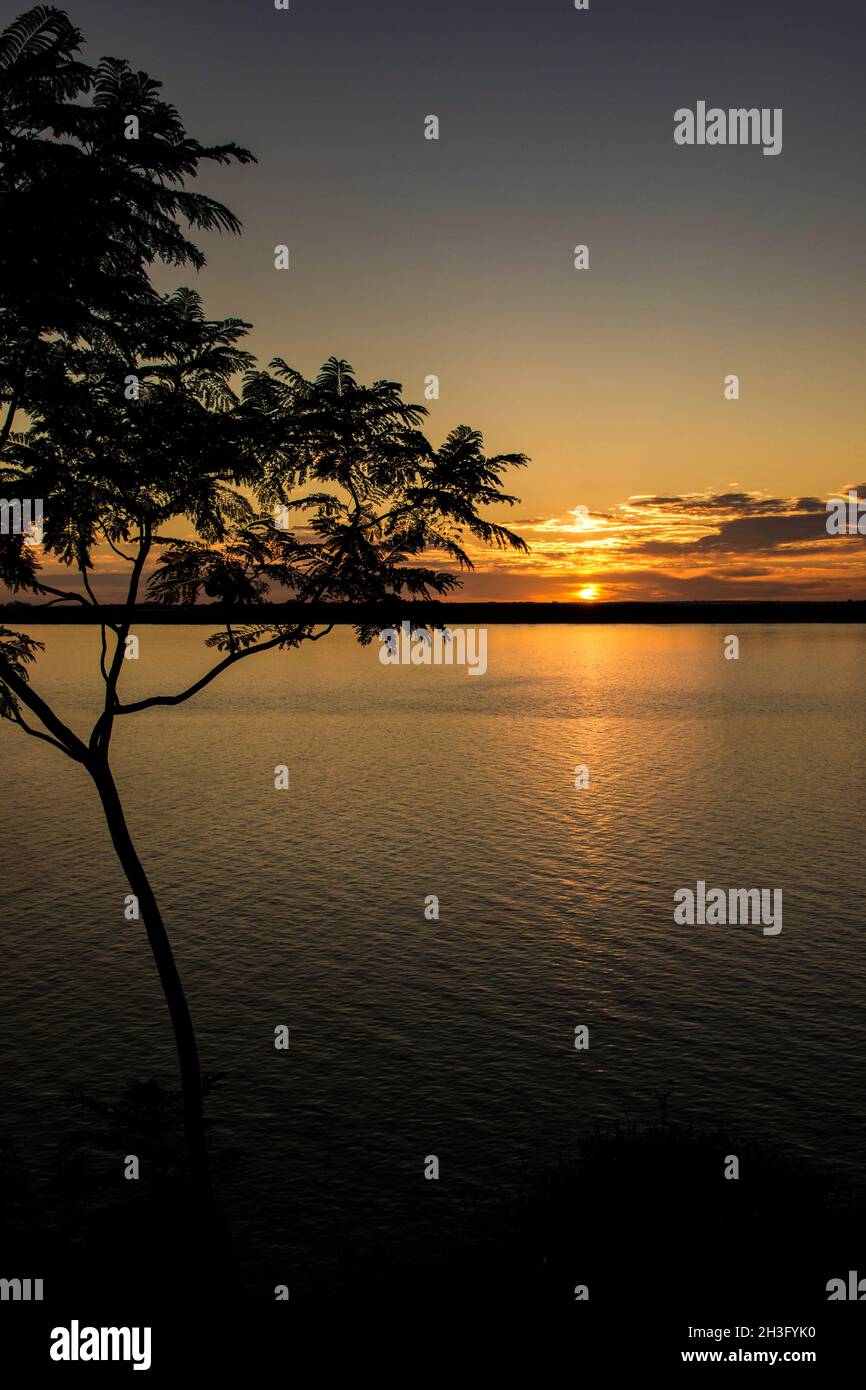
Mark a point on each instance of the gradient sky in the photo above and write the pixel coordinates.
(455, 257)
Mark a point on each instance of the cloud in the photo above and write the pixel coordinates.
(731, 544)
(723, 502)
(746, 534)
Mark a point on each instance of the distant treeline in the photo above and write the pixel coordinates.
(729, 612)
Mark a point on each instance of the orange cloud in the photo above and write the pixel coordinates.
(705, 545)
(735, 544)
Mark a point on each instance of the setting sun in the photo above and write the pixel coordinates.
(588, 593)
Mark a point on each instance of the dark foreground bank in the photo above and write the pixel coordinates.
(636, 1246)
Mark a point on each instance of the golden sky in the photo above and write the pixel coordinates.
(455, 257)
(734, 544)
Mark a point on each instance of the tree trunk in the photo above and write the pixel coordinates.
(184, 1036)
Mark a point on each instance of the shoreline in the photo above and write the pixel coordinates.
(725, 611)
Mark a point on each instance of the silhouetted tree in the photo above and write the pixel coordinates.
(84, 210)
(117, 467)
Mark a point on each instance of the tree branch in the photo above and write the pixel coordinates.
(10, 416)
(67, 740)
(35, 733)
(212, 674)
(103, 653)
(130, 559)
(16, 397)
(61, 593)
(91, 595)
(101, 735)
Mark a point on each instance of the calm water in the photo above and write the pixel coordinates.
(454, 1037)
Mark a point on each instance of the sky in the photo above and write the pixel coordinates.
(455, 257)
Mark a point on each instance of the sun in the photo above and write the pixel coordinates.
(588, 593)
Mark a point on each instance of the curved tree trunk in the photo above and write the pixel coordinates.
(187, 1049)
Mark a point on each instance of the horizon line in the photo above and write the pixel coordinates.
(385, 613)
